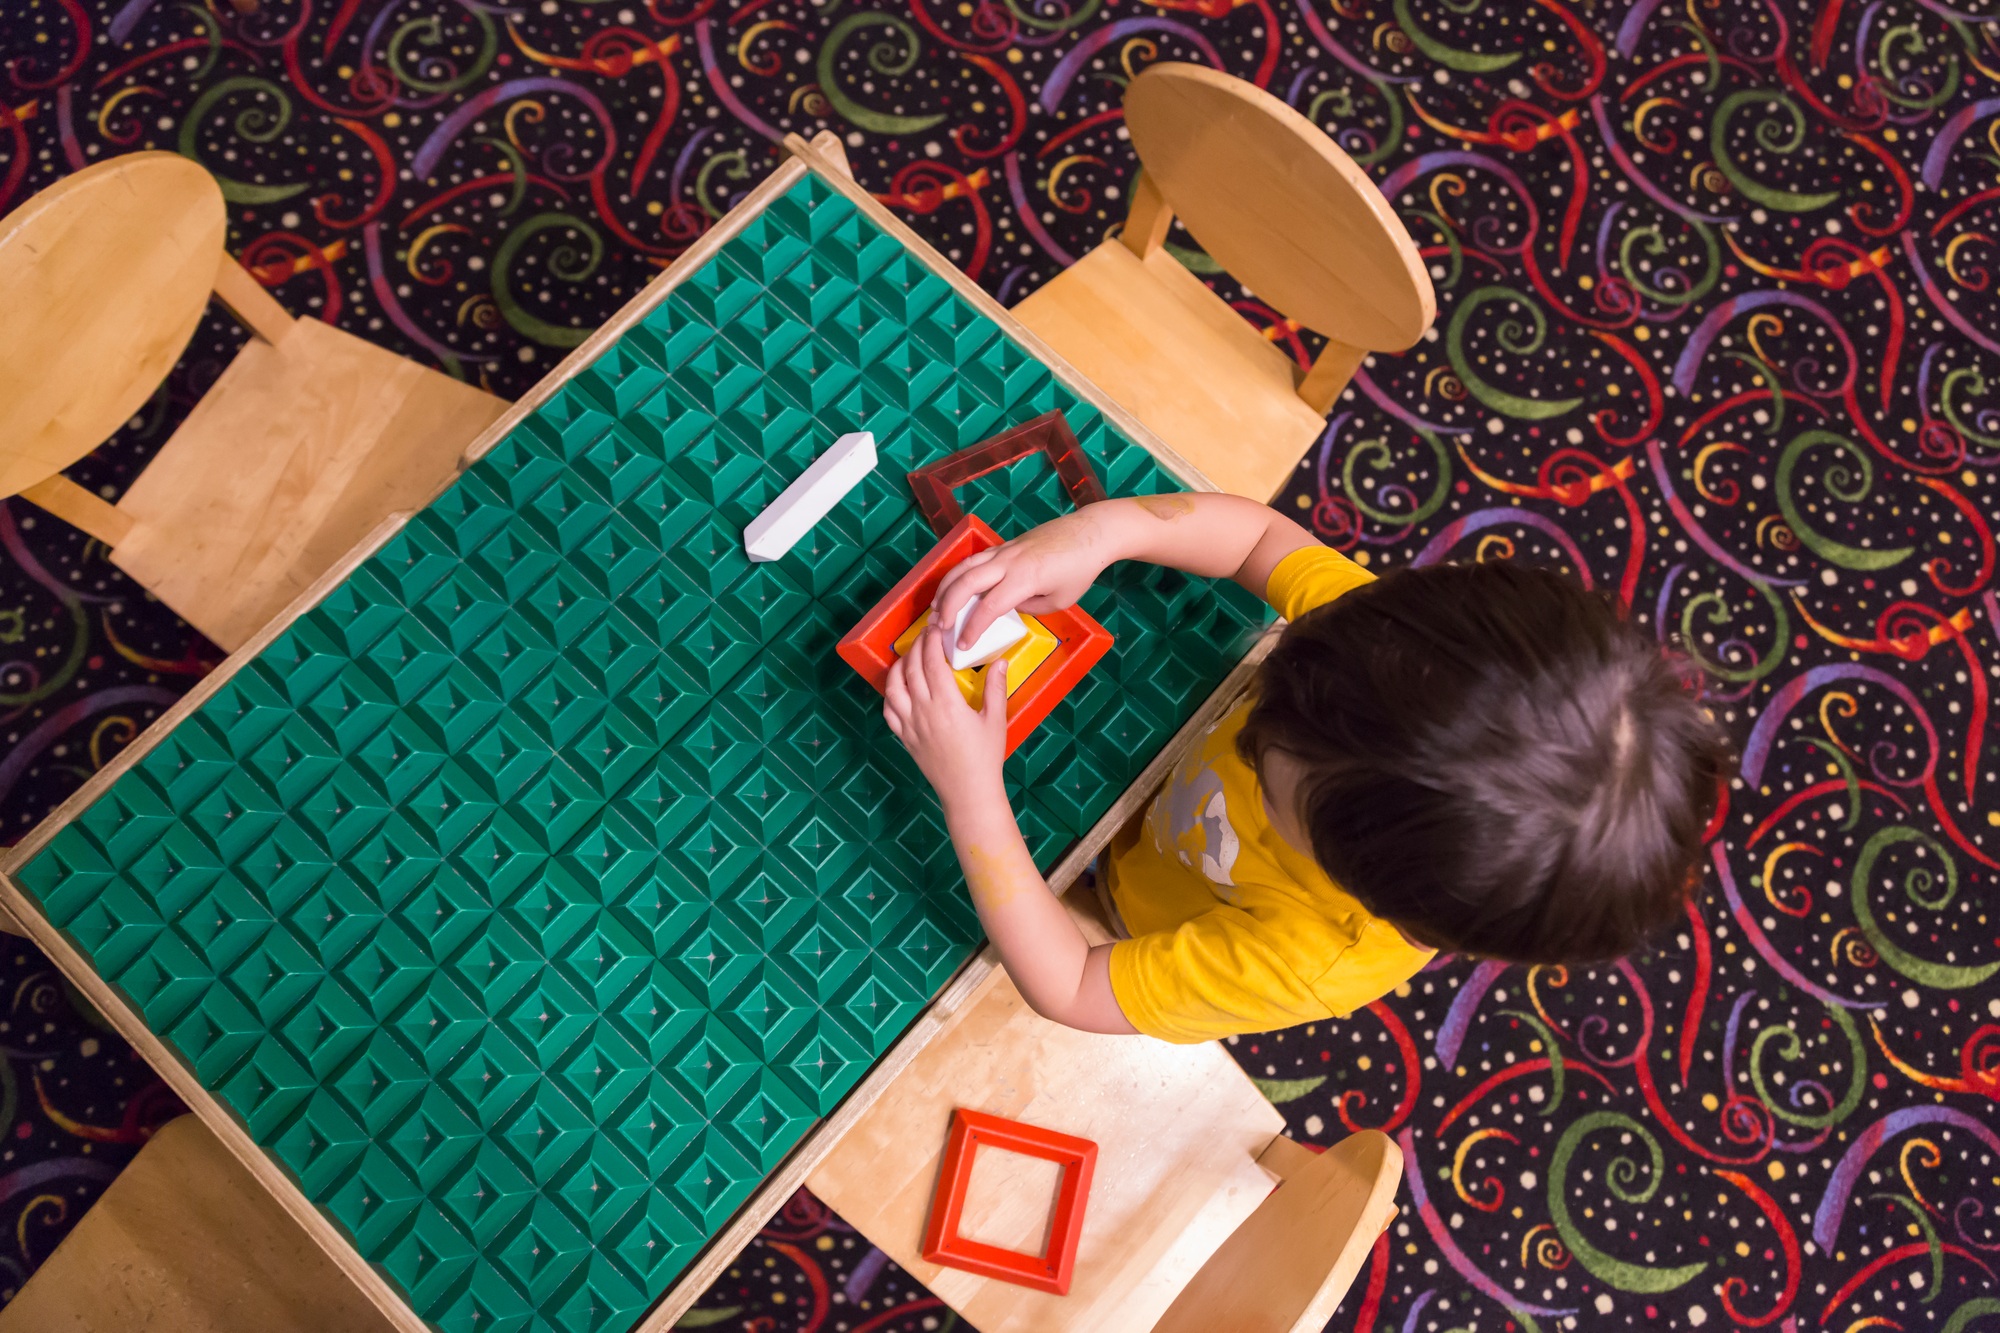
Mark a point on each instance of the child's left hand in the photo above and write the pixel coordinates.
(959, 750)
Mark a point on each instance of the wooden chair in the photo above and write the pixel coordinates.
(1182, 1232)
(186, 1241)
(1283, 209)
(307, 441)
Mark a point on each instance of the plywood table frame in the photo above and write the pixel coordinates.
(821, 157)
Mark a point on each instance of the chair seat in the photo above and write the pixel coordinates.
(1168, 350)
(1178, 1130)
(186, 1241)
(295, 455)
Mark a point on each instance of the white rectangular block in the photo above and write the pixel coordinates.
(808, 500)
(1001, 635)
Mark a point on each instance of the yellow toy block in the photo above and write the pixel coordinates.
(1021, 659)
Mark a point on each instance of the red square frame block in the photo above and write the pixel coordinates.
(973, 1130)
(1048, 434)
(870, 647)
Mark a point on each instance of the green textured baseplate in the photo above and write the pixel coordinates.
(529, 897)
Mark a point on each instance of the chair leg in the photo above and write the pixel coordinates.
(73, 504)
(1330, 373)
(1284, 1157)
(1146, 222)
(249, 302)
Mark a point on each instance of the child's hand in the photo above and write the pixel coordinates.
(959, 750)
(1044, 569)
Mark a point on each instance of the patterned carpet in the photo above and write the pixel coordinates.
(1715, 313)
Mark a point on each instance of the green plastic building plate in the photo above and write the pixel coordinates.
(529, 897)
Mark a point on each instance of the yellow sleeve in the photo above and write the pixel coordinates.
(1375, 964)
(1212, 976)
(1310, 577)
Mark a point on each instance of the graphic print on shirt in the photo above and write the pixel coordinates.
(1196, 815)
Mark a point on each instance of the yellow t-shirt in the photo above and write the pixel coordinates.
(1233, 929)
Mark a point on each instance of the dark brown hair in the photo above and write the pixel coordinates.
(1495, 760)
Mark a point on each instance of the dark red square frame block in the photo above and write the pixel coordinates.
(870, 647)
(973, 1130)
(1046, 434)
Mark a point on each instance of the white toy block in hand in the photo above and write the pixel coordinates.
(1001, 635)
(806, 501)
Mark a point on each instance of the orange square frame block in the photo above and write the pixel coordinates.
(870, 647)
(973, 1130)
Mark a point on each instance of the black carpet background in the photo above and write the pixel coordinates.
(1715, 312)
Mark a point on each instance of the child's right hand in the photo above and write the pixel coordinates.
(1044, 569)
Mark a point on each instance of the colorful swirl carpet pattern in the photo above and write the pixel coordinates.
(1715, 317)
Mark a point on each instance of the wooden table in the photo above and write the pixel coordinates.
(275, 926)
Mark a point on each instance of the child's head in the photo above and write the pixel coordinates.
(1490, 757)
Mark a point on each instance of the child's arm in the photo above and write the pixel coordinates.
(960, 751)
(1217, 536)
(1057, 972)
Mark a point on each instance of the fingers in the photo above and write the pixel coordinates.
(969, 578)
(993, 603)
(896, 695)
(973, 561)
(994, 709)
(958, 572)
(1013, 590)
(937, 668)
(916, 674)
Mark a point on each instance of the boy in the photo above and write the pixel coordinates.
(1481, 758)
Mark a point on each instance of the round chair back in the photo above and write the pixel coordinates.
(104, 276)
(1280, 206)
